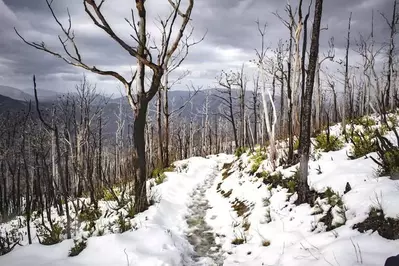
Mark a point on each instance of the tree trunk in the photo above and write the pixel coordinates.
(346, 76)
(140, 196)
(160, 139)
(307, 103)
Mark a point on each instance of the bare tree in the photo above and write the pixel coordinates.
(346, 81)
(389, 99)
(307, 102)
(270, 122)
(138, 97)
(228, 99)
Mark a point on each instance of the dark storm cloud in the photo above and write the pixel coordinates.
(230, 24)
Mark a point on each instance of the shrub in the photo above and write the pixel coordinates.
(240, 151)
(159, 173)
(240, 207)
(130, 210)
(9, 239)
(263, 174)
(363, 144)
(89, 214)
(238, 241)
(388, 157)
(376, 221)
(265, 243)
(364, 121)
(110, 195)
(328, 143)
(333, 198)
(100, 232)
(277, 179)
(246, 225)
(50, 236)
(160, 179)
(296, 144)
(77, 248)
(336, 208)
(226, 194)
(124, 225)
(257, 159)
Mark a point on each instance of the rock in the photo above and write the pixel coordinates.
(392, 261)
(347, 188)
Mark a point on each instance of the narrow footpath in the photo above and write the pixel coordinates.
(200, 234)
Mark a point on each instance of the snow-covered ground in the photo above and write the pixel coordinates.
(160, 238)
(277, 232)
(216, 212)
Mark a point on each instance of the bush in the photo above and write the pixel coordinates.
(9, 239)
(328, 143)
(277, 179)
(240, 207)
(389, 157)
(238, 241)
(50, 236)
(159, 173)
(130, 210)
(333, 198)
(240, 151)
(89, 214)
(77, 248)
(124, 225)
(265, 243)
(363, 144)
(376, 221)
(160, 179)
(336, 209)
(257, 159)
(110, 195)
(364, 121)
(296, 144)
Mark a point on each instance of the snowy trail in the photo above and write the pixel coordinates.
(172, 232)
(200, 234)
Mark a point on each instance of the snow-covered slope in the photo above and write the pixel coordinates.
(159, 238)
(261, 225)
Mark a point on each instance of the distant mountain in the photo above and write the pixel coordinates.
(44, 95)
(179, 98)
(15, 93)
(9, 104)
(179, 101)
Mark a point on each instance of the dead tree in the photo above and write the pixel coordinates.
(255, 107)
(292, 73)
(60, 170)
(391, 49)
(318, 101)
(138, 97)
(307, 102)
(228, 99)
(346, 77)
(270, 116)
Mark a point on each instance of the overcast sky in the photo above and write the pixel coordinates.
(230, 40)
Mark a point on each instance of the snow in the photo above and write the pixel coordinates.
(159, 240)
(279, 232)
(295, 235)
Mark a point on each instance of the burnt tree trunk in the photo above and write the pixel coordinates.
(307, 102)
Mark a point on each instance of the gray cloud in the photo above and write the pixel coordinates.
(231, 36)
